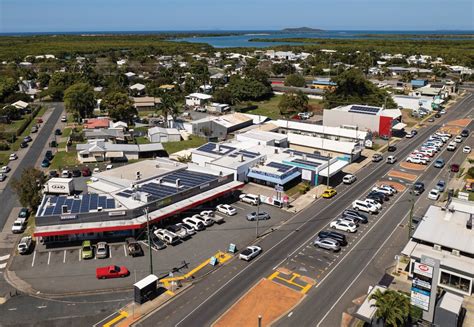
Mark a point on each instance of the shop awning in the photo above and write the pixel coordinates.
(334, 168)
(399, 126)
(273, 180)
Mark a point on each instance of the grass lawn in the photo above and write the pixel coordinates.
(270, 108)
(67, 132)
(63, 159)
(142, 140)
(194, 141)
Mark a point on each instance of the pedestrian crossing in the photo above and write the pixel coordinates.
(4, 261)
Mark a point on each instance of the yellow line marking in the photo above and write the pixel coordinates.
(289, 281)
(272, 276)
(306, 288)
(122, 315)
(170, 293)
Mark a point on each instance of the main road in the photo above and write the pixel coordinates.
(209, 298)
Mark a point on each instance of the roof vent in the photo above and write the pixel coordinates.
(178, 183)
(437, 247)
(276, 151)
(138, 175)
(241, 158)
(455, 252)
(64, 209)
(218, 148)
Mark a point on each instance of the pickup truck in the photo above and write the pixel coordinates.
(111, 272)
(133, 248)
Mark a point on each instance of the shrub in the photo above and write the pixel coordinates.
(4, 146)
(470, 172)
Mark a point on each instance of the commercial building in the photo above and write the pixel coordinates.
(197, 99)
(221, 126)
(123, 196)
(446, 234)
(99, 151)
(365, 118)
(323, 84)
(413, 102)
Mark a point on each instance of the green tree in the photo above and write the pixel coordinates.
(119, 106)
(29, 187)
(247, 89)
(295, 80)
(292, 103)
(43, 79)
(168, 107)
(354, 88)
(12, 112)
(223, 95)
(79, 100)
(392, 307)
(283, 68)
(7, 87)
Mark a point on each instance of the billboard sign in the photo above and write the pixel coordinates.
(420, 298)
(423, 270)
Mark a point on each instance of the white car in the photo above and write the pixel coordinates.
(209, 213)
(458, 139)
(206, 220)
(5, 169)
(18, 226)
(466, 149)
(226, 209)
(420, 155)
(451, 146)
(343, 225)
(364, 206)
(64, 119)
(434, 194)
(349, 179)
(374, 203)
(382, 190)
(24, 245)
(250, 252)
(12, 156)
(388, 188)
(416, 160)
(250, 198)
(188, 228)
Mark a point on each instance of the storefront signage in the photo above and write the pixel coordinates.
(68, 217)
(306, 175)
(423, 270)
(117, 213)
(421, 284)
(420, 298)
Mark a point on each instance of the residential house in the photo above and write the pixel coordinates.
(162, 135)
(99, 151)
(96, 123)
(137, 89)
(146, 103)
(220, 127)
(107, 134)
(197, 99)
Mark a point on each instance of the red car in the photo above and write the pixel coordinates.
(86, 172)
(111, 272)
(39, 120)
(454, 168)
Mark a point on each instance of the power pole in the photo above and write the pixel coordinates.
(258, 211)
(410, 216)
(329, 162)
(149, 240)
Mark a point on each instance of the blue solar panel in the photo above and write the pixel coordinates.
(48, 211)
(94, 201)
(281, 167)
(211, 148)
(68, 202)
(53, 199)
(110, 203)
(364, 110)
(102, 201)
(308, 155)
(85, 203)
(58, 206)
(76, 205)
(125, 195)
(247, 154)
(306, 162)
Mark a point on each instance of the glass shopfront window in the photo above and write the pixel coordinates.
(454, 281)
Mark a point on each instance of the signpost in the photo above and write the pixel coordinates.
(424, 285)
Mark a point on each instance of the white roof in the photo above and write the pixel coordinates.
(367, 309)
(451, 302)
(321, 129)
(200, 96)
(261, 136)
(162, 130)
(394, 113)
(321, 143)
(137, 86)
(20, 104)
(334, 168)
(146, 281)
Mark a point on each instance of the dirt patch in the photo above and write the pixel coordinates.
(453, 130)
(402, 175)
(398, 186)
(460, 122)
(267, 298)
(412, 166)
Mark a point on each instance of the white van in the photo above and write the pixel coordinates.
(391, 159)
(197, 224)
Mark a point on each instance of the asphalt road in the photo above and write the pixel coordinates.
(209, 298)
(8, 198)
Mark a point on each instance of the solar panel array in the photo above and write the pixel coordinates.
(211, 148)
(307, 163)
(364, 110)
(309, 155)
(166, 188)
(83, 204)
(279, 166)
(248, 154)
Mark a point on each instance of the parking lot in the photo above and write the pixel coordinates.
(51, 271)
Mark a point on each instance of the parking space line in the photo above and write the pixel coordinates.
(49, 257)
(33, 261)
(125, 250)
(64, 257)
(80, 251)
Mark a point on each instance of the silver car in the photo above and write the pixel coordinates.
(102, 251)
(327, 243)
(260, 216)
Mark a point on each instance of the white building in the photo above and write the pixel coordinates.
(99, 151)
(197, 99)
(162, 135)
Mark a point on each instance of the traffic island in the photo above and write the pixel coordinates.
(412, 166)
(402, 175)
(398, 186)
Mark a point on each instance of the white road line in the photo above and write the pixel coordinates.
(12, 309)
(80, 256)
(290, 314)
(33, 261)
(5, 257)
(125, 250)
(64, 257)
(110, 252)
(3, 265)
(49, 256)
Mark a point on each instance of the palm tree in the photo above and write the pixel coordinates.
(168, 107)
(392, 307)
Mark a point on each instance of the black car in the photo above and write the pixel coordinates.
(57, 132)
(76, 173)
(356, 215)
(438, 115)
(383, 196)
(156, 243)
(53, 173)
(27, 139)
(341, 238)
(23, 144)
(418, 188)
(49, 155)
(392, 148)
(377, 198)
(465, 133)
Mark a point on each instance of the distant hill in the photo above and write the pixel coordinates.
(301, 30)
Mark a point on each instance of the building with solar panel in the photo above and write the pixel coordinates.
(365, 118)
(116, 201)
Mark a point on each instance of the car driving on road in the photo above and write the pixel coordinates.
(250, 252)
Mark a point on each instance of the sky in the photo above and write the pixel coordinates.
(173, 15)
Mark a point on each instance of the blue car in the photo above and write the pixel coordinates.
(441, 185)
(45, 163)
(439, 163)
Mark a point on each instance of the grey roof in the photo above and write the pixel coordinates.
(162, 130)
(102, 132)
(101, 146)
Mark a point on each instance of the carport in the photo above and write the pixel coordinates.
(334, 168)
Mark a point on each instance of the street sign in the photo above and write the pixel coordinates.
(213, 261)
(232, 248)
(278, 188)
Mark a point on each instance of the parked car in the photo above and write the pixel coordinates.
(250, 198)
(392, 148)
(66, 174)
(53, 173)
(111, 272)
(87, 251)
(209, 213)
(2, 177)
(355, 214)
(374, 203)
(327, 243)
(63, 118)
(86, 172)
(465, 133)
(156, 243)
(23, 144)
(377, 157)
(454, 168)
(206, 220)
(391, 159)
(343, 225)
(250, 252)
(380, 197)
(39, 120)
(24, 213)
(418, 188)
(260, 216)
(188, 228)
(19, 225)
(57, 132)
(34, 129)
(382, 190)
(387, 187)
(27, 139)
(364, 206)
(24, 246)
(76, 173)
(329, 193)
(349, 179)
(102, 250)
(341, 238)
(49, 155)
(133, 247)
(12, 157)
(434, 194)
(180, 231)
(5, 169)
(45, 163)
(196, 224)
(458, 139)
(441, 185)
(439, 163)
(166, 236)
(226, 209)
(466, 149)
(349, 219)
(416, 160)
(451, 146)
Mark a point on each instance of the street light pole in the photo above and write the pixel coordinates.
(410, 216)
(149, 239)
(258, 211)
(329, 162)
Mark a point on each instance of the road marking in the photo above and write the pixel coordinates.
(125, 250)
(122, 315)
(49, 256)
(33, 261)
(42, 306)
(64, 257)
(12, 309)
(290, 314)
(3, 265)
(5, 257)
(80, 252)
